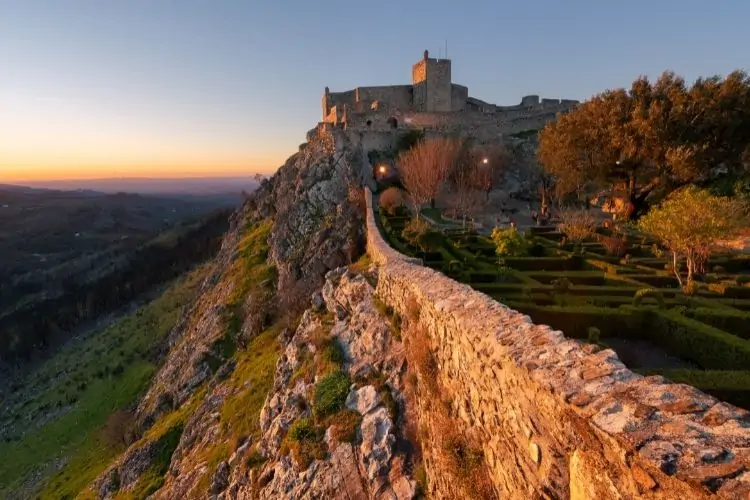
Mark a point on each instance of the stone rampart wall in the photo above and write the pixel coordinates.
(557, 418)
(392, 96)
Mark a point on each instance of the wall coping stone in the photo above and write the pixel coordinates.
(692, 443)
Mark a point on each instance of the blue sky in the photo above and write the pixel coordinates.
(94, 88)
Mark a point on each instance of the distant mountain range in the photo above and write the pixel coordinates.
(197, 186)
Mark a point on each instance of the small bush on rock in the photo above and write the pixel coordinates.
(304, 429)
(305, 442)
(330, 394)
(344, 425)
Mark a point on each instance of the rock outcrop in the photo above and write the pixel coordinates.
(363, 462)
(361, 465)
(312, 209)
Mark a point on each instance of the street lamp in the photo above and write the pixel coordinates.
(382, 169)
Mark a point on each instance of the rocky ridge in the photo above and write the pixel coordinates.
(366, 463)
(308, 217)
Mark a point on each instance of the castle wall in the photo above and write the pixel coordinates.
(557, 419)
(459, 95)
(340, 98)
(392, 96)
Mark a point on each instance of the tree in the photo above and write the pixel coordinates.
(424, 167)
(646, 142)
(691, 222)
(472, 176)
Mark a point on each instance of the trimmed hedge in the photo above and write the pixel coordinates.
(655, 281)
(589, 278)
(545, 263)
(728, 385)
(704, 345)
(737, 322)
(709, 347)
(574, 322)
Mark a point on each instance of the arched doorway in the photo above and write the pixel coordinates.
(392, 122)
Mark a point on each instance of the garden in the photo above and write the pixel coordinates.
(613, 288)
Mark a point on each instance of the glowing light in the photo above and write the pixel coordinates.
(382, 169)
(485, 161)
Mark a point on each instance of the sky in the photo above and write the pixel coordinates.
(161, 88)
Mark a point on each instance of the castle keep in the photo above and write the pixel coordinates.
(433, 102)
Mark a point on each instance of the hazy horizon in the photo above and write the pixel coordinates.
(156, 177)
(192, 88)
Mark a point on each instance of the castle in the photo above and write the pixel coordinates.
(434, 103)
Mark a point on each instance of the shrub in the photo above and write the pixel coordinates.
(305, 441)
(392, 200)
(719, 288)
(330, 394)
(344, 425)
(577, 225)
(719, 270)
(419, 233)
(742, 279)
(304, 429)
(593, 335)
(614, 246)
(509, 242)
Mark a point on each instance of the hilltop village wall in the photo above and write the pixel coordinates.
(557, 419)
(434, 104)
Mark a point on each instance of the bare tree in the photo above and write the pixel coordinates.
(423, 168)
(469, 180)
(493, 160)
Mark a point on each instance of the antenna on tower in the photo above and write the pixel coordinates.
(446, 48)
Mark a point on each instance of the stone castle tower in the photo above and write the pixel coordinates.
(431, 79)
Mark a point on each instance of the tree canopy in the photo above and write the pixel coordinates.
(645, 142)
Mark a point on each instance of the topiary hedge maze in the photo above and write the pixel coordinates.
(630, 302)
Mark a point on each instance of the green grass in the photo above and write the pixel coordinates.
(250, 268)
(250, 382)
(106, 372)
(330, 394)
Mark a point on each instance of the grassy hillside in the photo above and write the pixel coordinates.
(58, 418)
